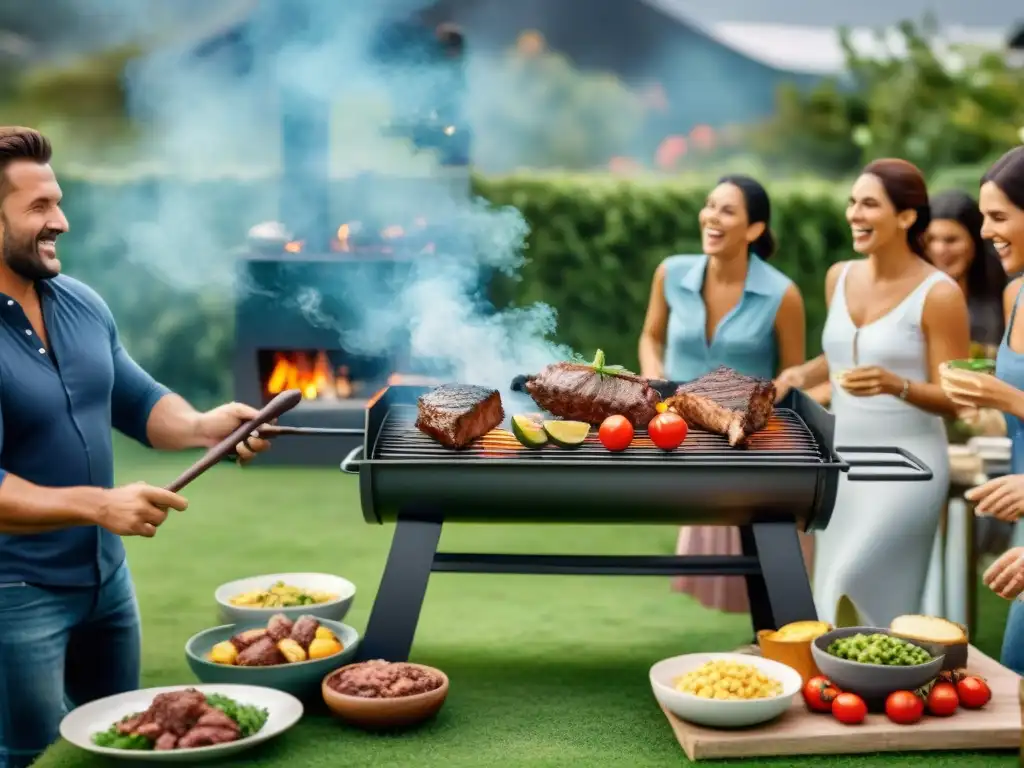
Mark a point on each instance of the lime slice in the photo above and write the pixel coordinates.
(529, 431)
(977, 364)
(567, 434)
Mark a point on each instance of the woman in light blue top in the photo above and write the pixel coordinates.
(726, 306)
(1002, 205)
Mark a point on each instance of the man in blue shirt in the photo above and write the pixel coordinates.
(69, 621)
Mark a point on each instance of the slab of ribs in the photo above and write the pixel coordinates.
(725, 402)
(457, 414)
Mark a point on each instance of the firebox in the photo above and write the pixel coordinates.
(325, 377)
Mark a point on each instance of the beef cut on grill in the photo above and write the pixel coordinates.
(457, 414)
(580, 392)
(725, 402)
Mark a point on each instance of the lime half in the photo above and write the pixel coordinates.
(567, 434)
(529, 431)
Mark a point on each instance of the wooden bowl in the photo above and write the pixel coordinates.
(400, 712)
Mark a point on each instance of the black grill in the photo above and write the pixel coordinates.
(785, 440)
(784, 479)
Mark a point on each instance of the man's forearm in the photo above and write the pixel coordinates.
(173, 425)
(27, 508)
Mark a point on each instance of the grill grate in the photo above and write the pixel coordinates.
(785, 439)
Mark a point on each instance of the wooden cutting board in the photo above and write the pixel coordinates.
(799, 732)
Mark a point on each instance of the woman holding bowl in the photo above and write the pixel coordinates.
(1002, 205)
(727, 306)
(893, 319)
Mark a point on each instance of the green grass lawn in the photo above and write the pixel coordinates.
(545, 671)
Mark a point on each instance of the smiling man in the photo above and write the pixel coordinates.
(69, 621)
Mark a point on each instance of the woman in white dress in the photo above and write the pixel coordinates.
(893, 319)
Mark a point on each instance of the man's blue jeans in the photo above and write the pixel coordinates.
(1012, 656)
(61, 648)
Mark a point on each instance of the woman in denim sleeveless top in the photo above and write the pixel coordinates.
(1002, 204)
(727, 306)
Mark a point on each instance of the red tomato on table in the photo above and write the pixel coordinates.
(615, 433)
(667, 430)
(904, 707)
(849, 709)
(974, 692)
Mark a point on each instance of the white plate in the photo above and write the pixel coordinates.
(78, 727)
(717, 713)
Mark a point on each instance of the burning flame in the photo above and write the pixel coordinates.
(313, 374)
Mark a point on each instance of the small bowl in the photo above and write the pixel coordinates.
(973, 365)
(334, 610)
(874, 681)
(300, 678)
(792, 653)
(722, 714)
(401, 712)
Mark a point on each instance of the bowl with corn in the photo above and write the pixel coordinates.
(724, 690)
(214, 654)
(323, 595)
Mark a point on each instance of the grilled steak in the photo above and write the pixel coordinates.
(457, 414)
(580, 393)
(725, 402)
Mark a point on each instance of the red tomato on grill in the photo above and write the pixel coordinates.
(615, 433)
(667, 430)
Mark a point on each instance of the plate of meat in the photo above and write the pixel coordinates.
(181, 724)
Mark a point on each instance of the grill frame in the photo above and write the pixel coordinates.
(729, 486)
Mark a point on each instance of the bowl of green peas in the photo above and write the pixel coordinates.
(873, 662)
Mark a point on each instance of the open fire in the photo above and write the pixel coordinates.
(354, 236)
(318, 378)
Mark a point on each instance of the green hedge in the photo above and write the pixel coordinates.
(593, 246)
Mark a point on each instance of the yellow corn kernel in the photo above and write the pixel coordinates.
(291, 650)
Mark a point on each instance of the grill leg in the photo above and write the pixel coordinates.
(782, 593)
(396, 610)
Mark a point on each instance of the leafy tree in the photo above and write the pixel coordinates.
(931, 104)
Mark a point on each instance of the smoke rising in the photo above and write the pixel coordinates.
(203, 116)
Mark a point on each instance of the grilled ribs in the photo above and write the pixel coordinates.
(725, 402)
(457, 414)
(578, 392)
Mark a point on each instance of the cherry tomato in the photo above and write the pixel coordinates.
(667, 430)
(974, 692)
(849, 709)
(943, 700)
(904, 707)
(615, 433)
(819, 693)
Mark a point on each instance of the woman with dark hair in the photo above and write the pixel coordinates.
(893, 319)
(955, 246)
(727, 306)
(1002, 206)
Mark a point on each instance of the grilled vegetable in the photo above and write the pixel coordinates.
(322, 647)
(567, 434)
(615, 433)
(529, 430)
(667, 431)
(291, 650)
(224, 653)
